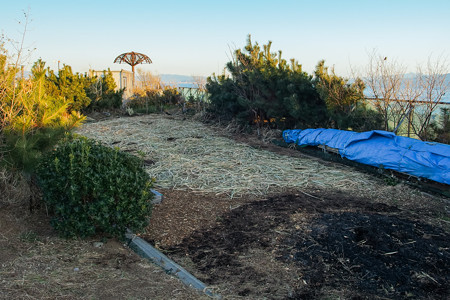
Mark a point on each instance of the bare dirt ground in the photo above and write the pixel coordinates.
(334, 233)
(36, 264)
(323, 245)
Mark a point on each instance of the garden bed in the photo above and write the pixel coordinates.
(258, 221)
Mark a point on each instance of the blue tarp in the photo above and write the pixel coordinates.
(381, 149)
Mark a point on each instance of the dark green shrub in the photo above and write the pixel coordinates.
(147, 102)
(111, 101)
(102, 92)
(23, 151)
(170, 96)
(90, 189)
(362, 118)
(441, 129)
(69, 86)
(262, 86)
(224, 100)
(155, 100)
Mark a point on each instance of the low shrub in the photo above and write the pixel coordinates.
(155, 100)
(110, 101)
(90, 188)
(441, 128)
(146, 103)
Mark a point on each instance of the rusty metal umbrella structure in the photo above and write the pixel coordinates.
(133, 59)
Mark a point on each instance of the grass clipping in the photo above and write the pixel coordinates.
(185, 154)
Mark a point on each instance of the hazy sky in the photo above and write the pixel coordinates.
(195, 37)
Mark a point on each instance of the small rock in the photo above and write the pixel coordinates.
(90, 120)
(98, 244)
(158, 197)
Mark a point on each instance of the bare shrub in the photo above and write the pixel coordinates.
(15, 189)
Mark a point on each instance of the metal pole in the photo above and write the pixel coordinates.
(410, 120)
(132, 68)
(401, 121)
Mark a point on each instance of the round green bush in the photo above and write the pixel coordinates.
(90, 188)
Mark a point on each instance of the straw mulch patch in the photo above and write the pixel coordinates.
(188, 155)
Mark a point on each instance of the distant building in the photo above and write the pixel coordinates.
(123, 79)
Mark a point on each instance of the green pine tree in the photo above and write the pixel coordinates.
(263, 88)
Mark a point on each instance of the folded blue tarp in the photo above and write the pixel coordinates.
(381, 149)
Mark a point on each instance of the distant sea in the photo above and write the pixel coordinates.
(185, 81)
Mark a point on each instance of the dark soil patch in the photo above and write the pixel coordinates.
(375, 254)
(299, 246)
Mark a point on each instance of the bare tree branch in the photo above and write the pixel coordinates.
(434, 84)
